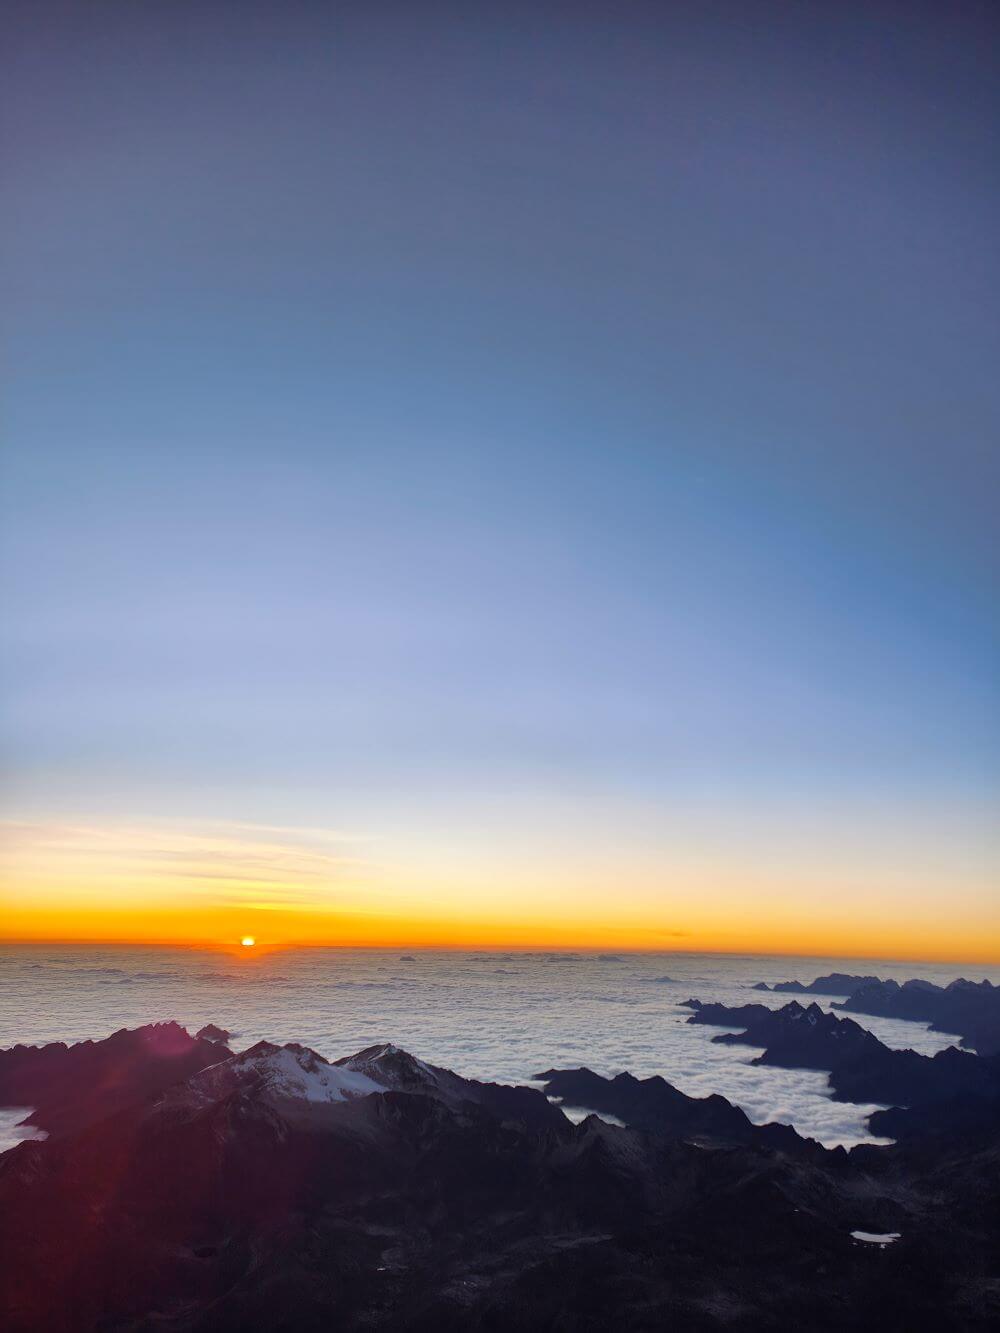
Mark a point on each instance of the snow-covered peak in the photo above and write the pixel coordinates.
(395, 1068)
(282, 1073)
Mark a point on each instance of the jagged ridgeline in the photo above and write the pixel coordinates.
(969, 1009)
(861, 1068)
(186, 1186)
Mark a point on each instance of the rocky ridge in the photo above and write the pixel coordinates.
(278, 1190)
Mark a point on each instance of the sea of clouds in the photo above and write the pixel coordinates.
(501, 1016)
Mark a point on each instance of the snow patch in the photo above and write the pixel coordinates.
(290, 1072)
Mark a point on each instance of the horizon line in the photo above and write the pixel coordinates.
(269, 947)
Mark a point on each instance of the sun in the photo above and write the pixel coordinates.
(248, 941)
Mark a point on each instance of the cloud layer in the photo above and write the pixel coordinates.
(498, 1016)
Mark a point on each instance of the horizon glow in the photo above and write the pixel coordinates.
(472, 483)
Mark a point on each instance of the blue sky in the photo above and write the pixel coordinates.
(410, 409)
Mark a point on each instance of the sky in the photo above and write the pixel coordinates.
(519, 474)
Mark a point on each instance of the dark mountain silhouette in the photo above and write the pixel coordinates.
(861, 1068)
(724, 1015)
(654, 1105)
(275, 1190)
(212, 1033)
(834, 983)
(68, 1087)
(798, 1037)
(904, 1078)
(955, 1118)
(968, 1008)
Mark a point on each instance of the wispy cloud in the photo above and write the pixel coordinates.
(286, 865)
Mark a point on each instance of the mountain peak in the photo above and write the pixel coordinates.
(281, 1074)
(397, 1069)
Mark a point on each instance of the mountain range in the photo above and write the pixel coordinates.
(969, 1009)
(187, 1187)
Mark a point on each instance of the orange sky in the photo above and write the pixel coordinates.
(211, 884)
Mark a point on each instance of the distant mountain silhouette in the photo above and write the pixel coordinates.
(798, 1037)
(969, 1008)
(834, 983)
(861, 1068)
(724, 1015)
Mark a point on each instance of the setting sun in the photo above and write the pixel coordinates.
(248, 941)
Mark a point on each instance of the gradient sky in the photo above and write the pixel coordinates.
(516, 472)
